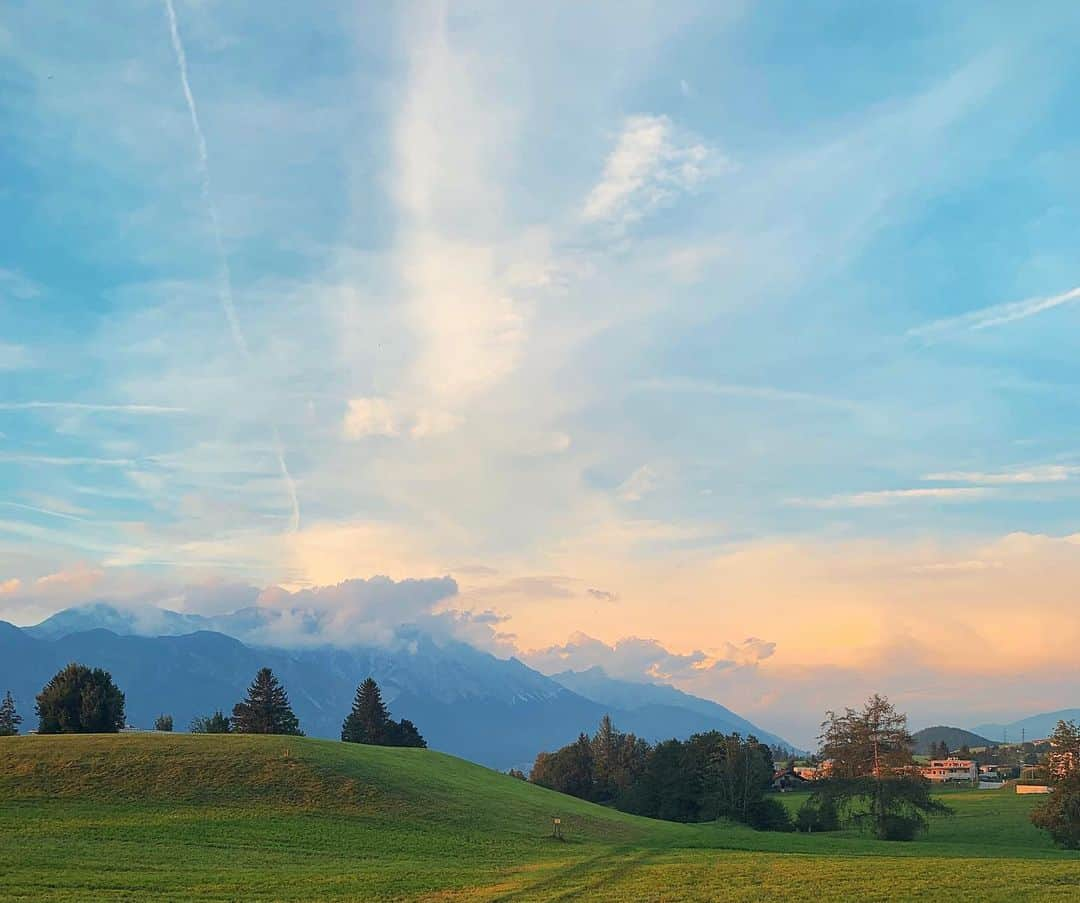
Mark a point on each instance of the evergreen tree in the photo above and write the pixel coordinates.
(369, 721)
(9, 718)
(82, 701)
(266, 708)
(605, 751)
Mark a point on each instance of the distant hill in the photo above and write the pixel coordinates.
(1035, 727)
(498, 712)
(954, 738)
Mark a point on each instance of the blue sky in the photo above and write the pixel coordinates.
(741, 315)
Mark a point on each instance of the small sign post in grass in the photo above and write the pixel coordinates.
(556, 828)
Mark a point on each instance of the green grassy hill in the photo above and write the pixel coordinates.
(274, 818)
(953, 737)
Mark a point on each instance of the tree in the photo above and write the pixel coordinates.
(266, 708)
(1060, 813)
(874, 741)
(9, 718)
(894, 808)
(404, 733)
(369, 720)
(163, 723)
(1064, 755)
(210, 724)
(568, 770)
(80, 700)
(871, 754)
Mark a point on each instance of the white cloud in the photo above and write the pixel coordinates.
(639, 484)
(735, 390)
(881, 497)
(387, 417)
(1047, 473)
(371, 417)
(429, 422)
(83, 407)
(998, 314)
(638, 658)
(649, 166)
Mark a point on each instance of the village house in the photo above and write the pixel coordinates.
(945, 770)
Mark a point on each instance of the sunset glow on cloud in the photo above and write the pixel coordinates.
(682, 340)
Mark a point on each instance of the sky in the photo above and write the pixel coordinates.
(728, 344)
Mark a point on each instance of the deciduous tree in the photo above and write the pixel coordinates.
(80, 700)
(1059, 815)
(210, 724)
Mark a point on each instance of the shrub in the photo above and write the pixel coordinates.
(768, 814)
(817, 816)
(898, 827)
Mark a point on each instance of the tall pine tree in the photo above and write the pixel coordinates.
(9, 718)
(266, 708)
(369, 721)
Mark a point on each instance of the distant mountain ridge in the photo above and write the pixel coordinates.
(953, 737)
(1034, 727)
(498, 712)
(661, 702)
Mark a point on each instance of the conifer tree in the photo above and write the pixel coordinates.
(369, 721)
(266, 708)
(9, 718)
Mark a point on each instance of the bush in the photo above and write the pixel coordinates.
(817, 816)
(163, 723)
(768, 814)
(898, 827)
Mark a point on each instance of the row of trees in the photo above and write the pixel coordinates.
(709, 776)
(872, 783)
(79, 699)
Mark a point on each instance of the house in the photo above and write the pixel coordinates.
(814, 772)
(942, 771)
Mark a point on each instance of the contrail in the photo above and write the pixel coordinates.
(225, 293)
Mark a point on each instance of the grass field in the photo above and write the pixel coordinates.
(205, 817)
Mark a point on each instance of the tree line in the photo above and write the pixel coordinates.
(708, 776)
(85, 700)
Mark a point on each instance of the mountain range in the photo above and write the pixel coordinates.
(498, 712)
(1034, 727)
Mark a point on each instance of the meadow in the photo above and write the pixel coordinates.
(220, 817)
